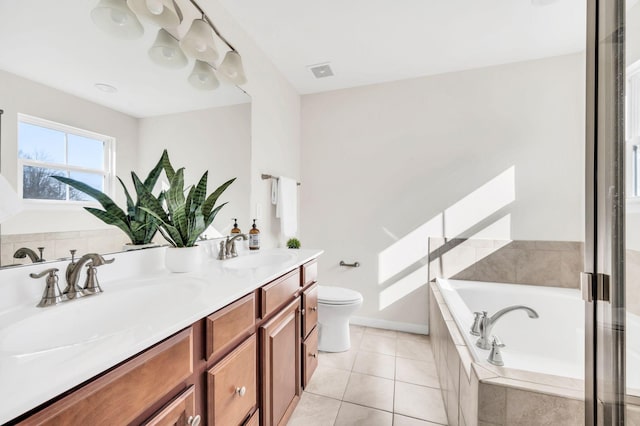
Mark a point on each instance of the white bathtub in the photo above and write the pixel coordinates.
(551, 344)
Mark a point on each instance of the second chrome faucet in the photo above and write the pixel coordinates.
(483, 324)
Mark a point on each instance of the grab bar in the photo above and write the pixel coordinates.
(351, 265)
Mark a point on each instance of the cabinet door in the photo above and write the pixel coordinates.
(309, 357)
(309, 309)
(179, 412)
(280, 344)
(232, 386)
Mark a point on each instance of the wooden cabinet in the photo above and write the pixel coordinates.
(232, 391)
(125, 393)
(218, 372)
(179, 412)
(309, 309)
(280, 362)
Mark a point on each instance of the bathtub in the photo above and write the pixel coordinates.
(552, 344)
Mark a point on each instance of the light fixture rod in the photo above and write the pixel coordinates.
(213, 27)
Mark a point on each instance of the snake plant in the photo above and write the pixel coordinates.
(182, 219)
(138, 224)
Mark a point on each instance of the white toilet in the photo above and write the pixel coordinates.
(335, 307)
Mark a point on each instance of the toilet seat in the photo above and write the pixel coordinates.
(338, 296)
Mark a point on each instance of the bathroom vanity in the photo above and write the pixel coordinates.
(232, 344)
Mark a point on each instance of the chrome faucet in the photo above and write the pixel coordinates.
(23, 252)
(93, 260)
(228, 247)
(486, 323)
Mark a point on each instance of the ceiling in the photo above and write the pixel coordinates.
(373, 41)
(56, 43)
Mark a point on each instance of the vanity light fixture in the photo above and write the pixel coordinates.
(231, 68)
(198, 41)
(166, 51)
(115, 18)
(203, 77)
(164, 13)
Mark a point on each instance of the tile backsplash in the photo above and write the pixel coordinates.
(548, 263)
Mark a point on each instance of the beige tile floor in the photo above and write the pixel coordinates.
(388, 378)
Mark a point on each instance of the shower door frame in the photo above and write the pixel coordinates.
(604, 292)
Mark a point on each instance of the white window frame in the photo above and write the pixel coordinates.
(108, 170)
(632, 135)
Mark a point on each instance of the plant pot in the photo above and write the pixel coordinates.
(129, 246)
(183, 259)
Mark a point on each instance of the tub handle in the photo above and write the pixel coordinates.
(477, 319)
(495, 357)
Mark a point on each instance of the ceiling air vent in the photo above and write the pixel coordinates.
(321, 70)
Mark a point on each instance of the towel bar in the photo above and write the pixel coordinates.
(265, 177)
(351, 265)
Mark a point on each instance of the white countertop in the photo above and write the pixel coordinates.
(47, 351)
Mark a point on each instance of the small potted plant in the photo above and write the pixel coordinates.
(139, 225)
(182, 219)
(293, 243)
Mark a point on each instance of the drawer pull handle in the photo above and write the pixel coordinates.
(313, 355)
(194, 421)
(314, 308)
(241, 391)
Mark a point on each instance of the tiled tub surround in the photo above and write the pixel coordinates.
(547, 263)
(478, 393)
(142, 304)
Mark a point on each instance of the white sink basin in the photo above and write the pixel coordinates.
(253, 261)
(91, 318)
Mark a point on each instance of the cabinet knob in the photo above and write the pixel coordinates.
(314, 308)
(241, 391)
(313, 355)
(194, 421)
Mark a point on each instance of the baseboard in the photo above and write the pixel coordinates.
(391, 325)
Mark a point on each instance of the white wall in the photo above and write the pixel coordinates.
(19, 95)
(215, 139)
(275, 122)
(494, 152)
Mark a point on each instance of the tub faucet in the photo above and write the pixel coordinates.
(23, 252)
(92, 260)
(487, 323)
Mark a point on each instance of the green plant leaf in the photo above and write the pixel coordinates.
(110, 219)
(107, 203)
(212, 215)
(166, 165)
(131, 207)
(211, 199)
(154, 174)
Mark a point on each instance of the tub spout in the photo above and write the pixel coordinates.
(487, 323)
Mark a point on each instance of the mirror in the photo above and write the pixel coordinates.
(60, 67)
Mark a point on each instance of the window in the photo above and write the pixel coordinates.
(48, 149)
(632, 131)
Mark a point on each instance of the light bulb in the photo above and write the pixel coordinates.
(118, 17)
(200, 46)
(154, 6)
(168, 52)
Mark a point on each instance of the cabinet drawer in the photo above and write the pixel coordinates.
(279, 292)
(254, 420)
(123, 394)
(309, 357)
(309, 309)
(177, 412)
(230, 325)
(232, 386)
(309, 273)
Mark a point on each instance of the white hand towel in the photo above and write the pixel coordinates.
(287, 207)
(274, 192)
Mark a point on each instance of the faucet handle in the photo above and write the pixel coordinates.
(91, 285)
(495, 357)
(477, 319)
(496, 342)
(73, 255)
(51, 295)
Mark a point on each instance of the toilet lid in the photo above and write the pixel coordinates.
(338, 296)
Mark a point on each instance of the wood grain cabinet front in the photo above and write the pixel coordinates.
(232, 392)
(280, 359)
(279, 292)
(179, 412)
(230, 325)
(123, 394)
(309, 309)
(309, 273)
(309, 356)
